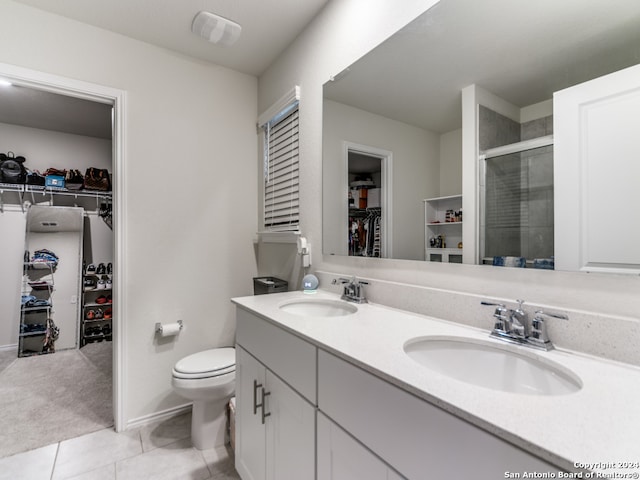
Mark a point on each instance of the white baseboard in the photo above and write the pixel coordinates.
(6, 348)
(158, 416)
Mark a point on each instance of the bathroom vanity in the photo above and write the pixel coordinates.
(325, 387)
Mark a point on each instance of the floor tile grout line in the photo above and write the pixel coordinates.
(205, 462)
(55, 461)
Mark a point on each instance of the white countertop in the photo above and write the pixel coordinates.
(598, 424)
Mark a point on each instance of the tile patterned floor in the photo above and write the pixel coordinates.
(158, 451)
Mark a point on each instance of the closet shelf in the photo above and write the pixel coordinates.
(97, 305)
(33, 191)
(97, 320)
(32, 334)
(40, 265)
(23, 188)
(35, 309)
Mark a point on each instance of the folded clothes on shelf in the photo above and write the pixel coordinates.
(44, 255)
(40, 285)
(32, 328)
(29, 301)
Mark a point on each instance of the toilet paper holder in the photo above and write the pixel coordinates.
(159, 326)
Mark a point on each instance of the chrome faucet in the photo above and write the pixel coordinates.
(353, 290)
(513, 326)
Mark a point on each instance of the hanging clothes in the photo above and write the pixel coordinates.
(364, 233)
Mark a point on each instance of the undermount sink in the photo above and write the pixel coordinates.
(494, 366)
(319, 307)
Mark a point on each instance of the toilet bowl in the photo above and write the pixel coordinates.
(208, 379)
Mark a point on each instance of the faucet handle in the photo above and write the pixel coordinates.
(500, 314)
(561, 316)
(538, 336)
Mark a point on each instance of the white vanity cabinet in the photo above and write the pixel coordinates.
(416, 438)
(275, 424)
(596, 174)
(341, 457)
(304, 413)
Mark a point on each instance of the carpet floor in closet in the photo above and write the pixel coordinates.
(49, 398)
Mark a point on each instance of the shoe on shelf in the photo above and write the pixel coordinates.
(109, 299)
(99, 314)
(106, 329)
(101, 299)
(109, 283)
(89, 283)
(101, 269)
(91, 269)
(108, 313)
(90, 315)
(109, 268)
(101, 285)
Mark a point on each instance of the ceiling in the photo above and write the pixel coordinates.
(268, 28)
(32, 108)
(520, 51)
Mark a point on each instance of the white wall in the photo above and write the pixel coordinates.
(342, 33)
(190, 168)
(451, 163)
(44, 148)
(416, 173)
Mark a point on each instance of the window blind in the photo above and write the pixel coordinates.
(281, 167)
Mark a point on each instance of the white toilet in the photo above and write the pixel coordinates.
(208, 378)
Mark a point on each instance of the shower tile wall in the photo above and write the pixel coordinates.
(496, 130)
(519, 194)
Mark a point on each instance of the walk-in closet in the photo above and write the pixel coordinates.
(57, 258)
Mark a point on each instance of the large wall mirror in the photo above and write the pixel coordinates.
(401, 105)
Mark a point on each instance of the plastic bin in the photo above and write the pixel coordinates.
(262, 285)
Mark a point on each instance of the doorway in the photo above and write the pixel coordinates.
(368, 174)
(74, 89)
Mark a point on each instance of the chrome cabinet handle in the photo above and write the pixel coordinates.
(264, 414)
(256, 386)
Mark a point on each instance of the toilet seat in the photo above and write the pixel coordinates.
(209, 363)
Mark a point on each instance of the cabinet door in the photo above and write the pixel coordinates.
(340, 457)
(290, 430)
(250, 436)
(596, 174)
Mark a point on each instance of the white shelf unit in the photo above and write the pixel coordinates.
(436, 226)
(98, 326)
(33, 319)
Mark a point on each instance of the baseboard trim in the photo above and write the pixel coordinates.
(158, 416)
(6, 348)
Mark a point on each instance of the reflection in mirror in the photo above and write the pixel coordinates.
(51, 276)
(364, 172)
(405, 97)
(516, 190)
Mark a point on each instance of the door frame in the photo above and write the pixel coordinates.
(98, 93)
(386, 192)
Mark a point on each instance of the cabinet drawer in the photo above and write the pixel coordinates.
(410, 434)
(289, 357)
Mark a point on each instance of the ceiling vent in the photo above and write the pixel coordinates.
(216, 29)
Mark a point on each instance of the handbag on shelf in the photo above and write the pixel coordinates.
(74, 180)
(35, 178)
(12, 169)
(54, 178)
(97, 179)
